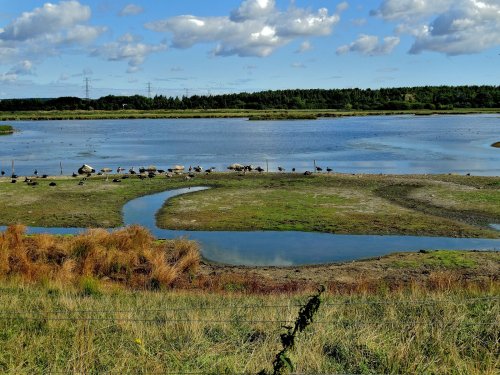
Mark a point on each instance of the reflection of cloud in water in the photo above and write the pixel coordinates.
(235, 257)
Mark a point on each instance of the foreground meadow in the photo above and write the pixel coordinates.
(125, 303)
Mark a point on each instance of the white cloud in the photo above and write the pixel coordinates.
(410, 9)
(46, 31)
(253, 9)
(48, 19)
(255, 28)
(446, 26)
(304, 47)
(370, 45)
(24, 67)
(134, 53)
(471, 26)
(131, 10)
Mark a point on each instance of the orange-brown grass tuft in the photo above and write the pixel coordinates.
(128, 256)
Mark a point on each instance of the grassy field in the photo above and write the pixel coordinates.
(124, 303)
(457, 206)
(54, 329)
(223, 113)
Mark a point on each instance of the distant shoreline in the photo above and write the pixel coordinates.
(271, 115)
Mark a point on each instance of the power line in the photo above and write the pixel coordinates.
(149, 90)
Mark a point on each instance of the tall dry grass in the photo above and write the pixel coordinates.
(129, 256)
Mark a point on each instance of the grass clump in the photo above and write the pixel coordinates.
(128, 256)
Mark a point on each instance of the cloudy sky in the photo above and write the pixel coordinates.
(180, 47)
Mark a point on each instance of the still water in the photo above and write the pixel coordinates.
(280, 248)
(380, 144)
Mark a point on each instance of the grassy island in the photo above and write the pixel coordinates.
(6, 129)
(298, 114)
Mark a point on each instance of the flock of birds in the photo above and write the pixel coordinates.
(86, 171)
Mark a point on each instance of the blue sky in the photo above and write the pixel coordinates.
(181, 47)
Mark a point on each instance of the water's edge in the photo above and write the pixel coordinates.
(273, 248)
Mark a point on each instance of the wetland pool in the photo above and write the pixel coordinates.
(272, 248)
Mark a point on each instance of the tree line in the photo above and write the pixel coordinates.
(425, 97)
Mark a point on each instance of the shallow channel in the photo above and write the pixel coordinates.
(273, 248)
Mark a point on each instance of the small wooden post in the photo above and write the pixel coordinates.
(314, 165)
(267, 165)
(12, 168)
(60, 166)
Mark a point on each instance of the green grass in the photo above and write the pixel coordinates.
(442, 259)
(324, 203)
(220, 113)
(55, 329)
(98, 203)
(6, 129)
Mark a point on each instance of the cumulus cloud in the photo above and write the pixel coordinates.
(468, 27)
(131, 10)
(255, 28)
(370, 45)
(451, 27)
(123, 50)
(46, 30)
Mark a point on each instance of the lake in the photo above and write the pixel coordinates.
(379, 144)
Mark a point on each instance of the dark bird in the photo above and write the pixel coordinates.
(259, 169)
(52, 184)
(161, 171)
(132, 171)
(35, 172)
(2, 173)
(319, 169)
(281, 169)
(307, 173)
(120, 170)
(14, 176)
(45, 176)
(74, 175)
(293, 169)
(116, 180)
(328, 169)
(125, 177)
(80, 183)
(13, 181)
